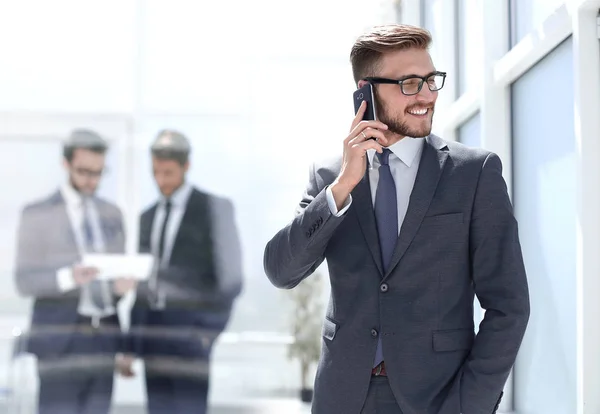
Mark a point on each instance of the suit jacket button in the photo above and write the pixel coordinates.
(384, 287)
(374, 333)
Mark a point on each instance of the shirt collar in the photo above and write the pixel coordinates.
(406, 150)
(179, 197)
(70, 195)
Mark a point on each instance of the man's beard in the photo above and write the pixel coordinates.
(79, 189)
(400, 127)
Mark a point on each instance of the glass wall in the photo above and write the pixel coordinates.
(431, 19)
(74, 61)
(544, 169)
(469, 133)
(469, 44)
(236, 87)
(527, 15)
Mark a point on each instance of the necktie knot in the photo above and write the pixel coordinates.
(384, 157)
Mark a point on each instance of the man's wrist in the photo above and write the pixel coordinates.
(340, 191)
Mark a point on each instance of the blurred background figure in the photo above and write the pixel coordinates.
(187, 302)
(75, 329)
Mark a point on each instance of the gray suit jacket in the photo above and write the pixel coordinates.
(46, 243)
(459, 238)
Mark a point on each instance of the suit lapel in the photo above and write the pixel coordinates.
(146, 226)
(108, 226)
(431, 166)
(60, 217)
(184, 225)
(363, 204)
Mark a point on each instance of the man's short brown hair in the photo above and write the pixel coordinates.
(171, 145)
(82, 138)
(370, 46)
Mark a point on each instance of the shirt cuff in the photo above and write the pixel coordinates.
(333, 206)
(64, 279)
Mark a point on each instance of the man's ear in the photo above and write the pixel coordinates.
(362, 83)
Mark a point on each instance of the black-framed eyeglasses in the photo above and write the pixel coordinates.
(89, 173)
(412, 84)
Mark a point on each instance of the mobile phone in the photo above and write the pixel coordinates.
(365, 94)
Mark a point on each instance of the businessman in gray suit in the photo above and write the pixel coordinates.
(412, 227)
(75, 331)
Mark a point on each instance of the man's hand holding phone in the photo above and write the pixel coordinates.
(354, 160)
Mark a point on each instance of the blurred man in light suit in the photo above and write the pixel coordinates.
(186, 304)
(75, 329)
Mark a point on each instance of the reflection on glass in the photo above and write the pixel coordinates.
(544, 160)
(469, 133)
(526, 15)
(469, 44)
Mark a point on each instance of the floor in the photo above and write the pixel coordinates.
(250, 374)
(257, 407)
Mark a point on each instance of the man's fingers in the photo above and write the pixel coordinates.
(363, 126)
(367, 145)
(367, 134)
(359, 114)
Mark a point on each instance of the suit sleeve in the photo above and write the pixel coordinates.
(227, 250)
(501, 287)
(298, 249)
(35, 273)
(119, 244)
(131, 341)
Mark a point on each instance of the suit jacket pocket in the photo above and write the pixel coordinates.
(443, 219)
(329, 329)
(453, 340)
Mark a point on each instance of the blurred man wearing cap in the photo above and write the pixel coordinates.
(187, 302)
(74, 329)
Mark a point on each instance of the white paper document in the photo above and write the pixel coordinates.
(114, 266)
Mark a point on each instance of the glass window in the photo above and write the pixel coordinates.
(431, 19)
(469, 44)
(469, 133)
(526, 15)
(544, 162)
(205, 78)
(67, 61)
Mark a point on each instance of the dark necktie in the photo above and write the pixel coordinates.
(88, 233)
(163, 231)
(154, 293)
(95, 287)
(386, 216)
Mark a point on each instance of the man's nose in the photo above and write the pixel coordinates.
(425, 94)
(93, 180)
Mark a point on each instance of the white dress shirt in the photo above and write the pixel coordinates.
(404, 164)
(179, 201)
(75, 205)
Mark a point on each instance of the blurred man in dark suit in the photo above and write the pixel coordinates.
(75, 329)
(187, 302)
